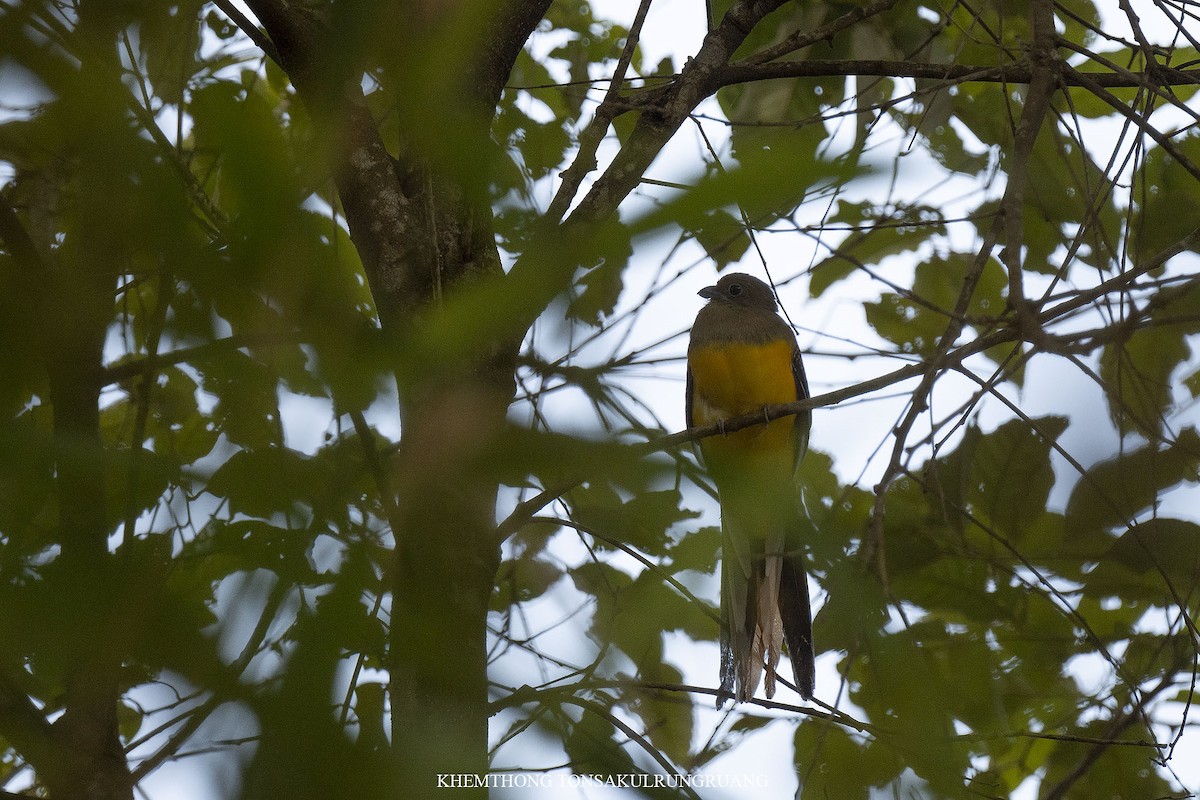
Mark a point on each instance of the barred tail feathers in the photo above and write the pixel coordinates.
(769, 629)
(764, 602)
(739, 614)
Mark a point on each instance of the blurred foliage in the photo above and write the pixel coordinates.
(181, 189)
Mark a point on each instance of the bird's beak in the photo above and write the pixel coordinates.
(708, 292)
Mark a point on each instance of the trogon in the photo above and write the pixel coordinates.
(742, 357)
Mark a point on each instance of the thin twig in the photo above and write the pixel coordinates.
(593, 134)
(803, 38)
(252, 31)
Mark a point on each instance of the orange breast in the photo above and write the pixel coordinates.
(734, 379)
(729, 380)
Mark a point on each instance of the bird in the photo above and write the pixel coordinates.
(742, 357)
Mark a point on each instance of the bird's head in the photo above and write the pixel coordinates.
(740, 289)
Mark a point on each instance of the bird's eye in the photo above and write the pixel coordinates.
(735, 289)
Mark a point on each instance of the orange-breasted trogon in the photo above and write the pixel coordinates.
(742, 357)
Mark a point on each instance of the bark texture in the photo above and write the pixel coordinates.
(421, 221)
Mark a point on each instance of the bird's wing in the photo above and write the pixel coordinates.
(803, 422)
(687, 400)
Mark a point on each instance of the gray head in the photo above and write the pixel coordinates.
(740, 289)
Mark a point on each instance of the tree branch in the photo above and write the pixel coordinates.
(214, 349)
(1087, 81)
(1042, 86)
(27, 730)
(20, 245)
(389, 229)
(593, 134)
(657, 124)
(1158, 87)
(260, 39)
(804, 38)
(507, 34)
(1017, 72)
(1117, 726)
(547, 264)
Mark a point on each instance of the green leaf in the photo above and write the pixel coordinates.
(901, 677)
(1192, 382)
(255, 176)
(592, 744)
(835, 513)
(634, 613)
(641, 521)
(595, 295)
(224, 548)
(537, 146)
(1137, 377)
(174, 396)
(169, 38)
(667, 716)
(1162, 187)
(26, 483)
(1112, 493)
(269, 481)
(1062, 180)
(602, 581)
(696, 550)
(882, 234)
(852, 615)
(1155, 560)
(949, 149)
(247, 410)
(955, 589)
(542, 147)
(745, 724)
(1108, 621)
(916, 322)
(221, 26)
(975, 106)
(832, 763)
(987, 465)
(303, 751)
(1010, 27)
(521, 580)
(1127, 772)
(1043, 638)
(912, 328)
(129, 720)
(941, 280)
(723, 237)
(136, 480)
(1156, 656)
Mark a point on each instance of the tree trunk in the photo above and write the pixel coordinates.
(421, 222)
(91, 759)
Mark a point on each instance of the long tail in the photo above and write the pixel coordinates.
(796, 614)
(760, 611)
